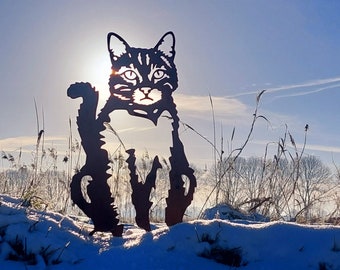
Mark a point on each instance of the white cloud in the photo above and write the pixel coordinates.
(323, 148)
(28, 143)
(201, 106)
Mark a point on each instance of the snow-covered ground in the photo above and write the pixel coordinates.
(31, 239)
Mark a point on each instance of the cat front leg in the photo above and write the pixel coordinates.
(179, 197)
(141, 191)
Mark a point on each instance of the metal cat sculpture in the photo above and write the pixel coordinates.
(141, 83)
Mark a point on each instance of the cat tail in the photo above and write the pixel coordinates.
(101, 207)
(86, 119)
(86, 111)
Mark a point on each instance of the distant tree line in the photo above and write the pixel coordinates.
(302, 189)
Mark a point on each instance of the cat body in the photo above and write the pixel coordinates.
(126, 131)
(142, 81)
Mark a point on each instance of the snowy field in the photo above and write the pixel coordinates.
(45, 240)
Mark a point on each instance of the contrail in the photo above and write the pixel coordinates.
(294, 86)
(309, 92)
(309, 147)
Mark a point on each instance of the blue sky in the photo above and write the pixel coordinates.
(228, 49)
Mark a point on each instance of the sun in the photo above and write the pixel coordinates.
(98, 73)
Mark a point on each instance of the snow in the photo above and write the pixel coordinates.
(31, 239)
(227, 212)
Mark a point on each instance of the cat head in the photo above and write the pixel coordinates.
(143, 78)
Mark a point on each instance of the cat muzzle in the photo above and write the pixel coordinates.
(146, 91)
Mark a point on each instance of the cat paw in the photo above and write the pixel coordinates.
(79, 89)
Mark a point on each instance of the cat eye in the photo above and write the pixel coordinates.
(130, 75)
(158, 74)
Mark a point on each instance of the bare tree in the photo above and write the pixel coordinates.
(313, 185)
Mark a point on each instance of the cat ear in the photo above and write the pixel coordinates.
(167, 45)
(117, 46)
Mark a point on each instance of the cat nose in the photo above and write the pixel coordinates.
(145, 90)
